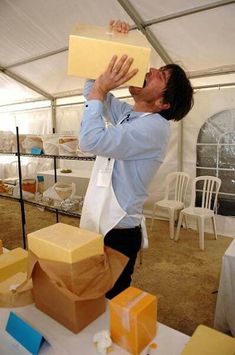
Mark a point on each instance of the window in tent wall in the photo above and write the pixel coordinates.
(216, 157)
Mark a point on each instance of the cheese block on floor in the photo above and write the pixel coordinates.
(208, 341)
(92, 47)
(133, 319)
(12, 262)
(65, 243)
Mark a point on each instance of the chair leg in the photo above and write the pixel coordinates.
(214, 226)
(153, 215)
(179, 225)
(171, 222)
(201, 223)
(185, 221)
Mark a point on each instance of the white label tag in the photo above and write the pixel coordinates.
(104, 178)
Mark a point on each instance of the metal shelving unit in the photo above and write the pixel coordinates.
(23, 201)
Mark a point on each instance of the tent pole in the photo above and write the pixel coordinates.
(180, 146)
(188, 12)
(25, 83)
(135, 16)
(53, 114)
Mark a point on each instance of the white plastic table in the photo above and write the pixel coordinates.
(79, 176)
(225, 306)
(64, 342)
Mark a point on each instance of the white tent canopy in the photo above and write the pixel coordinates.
(197, 34)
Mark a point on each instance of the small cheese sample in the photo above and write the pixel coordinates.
(133, 319)
(12, 282)
(208, 341)
(65, 243)
(11, 263)
(92, 47)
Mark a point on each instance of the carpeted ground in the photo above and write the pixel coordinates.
(184, 278)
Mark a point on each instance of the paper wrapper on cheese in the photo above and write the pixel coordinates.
(92, 47)
(133, 319)
(16, 291)
(74, 294)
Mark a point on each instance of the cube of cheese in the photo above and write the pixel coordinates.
(92, 47)
(65, 243)
(14, 261)
(206, 341)
(133, 315)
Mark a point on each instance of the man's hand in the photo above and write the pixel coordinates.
(119, 26)
(117, 72)
(115, 75)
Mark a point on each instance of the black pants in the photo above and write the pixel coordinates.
(128, 242)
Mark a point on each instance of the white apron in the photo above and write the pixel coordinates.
(101, 211)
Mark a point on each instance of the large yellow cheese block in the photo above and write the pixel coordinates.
(207, 341)
(13, 262)
(12, 282)
(65, 243)
(92, 47)
(133, 317)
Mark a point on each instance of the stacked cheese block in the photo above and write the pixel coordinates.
(133, 319)
(86, 40)
(208, 341)
(13, 273)
(59, 250)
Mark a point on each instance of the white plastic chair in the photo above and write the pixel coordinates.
(209, 186)
(173, 201)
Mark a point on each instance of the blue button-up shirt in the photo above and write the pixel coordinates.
(138, 146)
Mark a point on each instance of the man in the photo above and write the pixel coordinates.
(129, 150)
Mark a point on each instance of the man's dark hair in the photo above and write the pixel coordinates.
(178, 93)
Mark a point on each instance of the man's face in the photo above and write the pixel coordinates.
(154, 85)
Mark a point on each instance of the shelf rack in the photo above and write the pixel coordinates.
(22, 201)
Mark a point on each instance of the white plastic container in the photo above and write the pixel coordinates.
(68, 145)
(32, 141)
(51, 144)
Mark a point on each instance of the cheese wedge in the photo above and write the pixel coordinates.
(92, 47)
(133, 319)
(65, 243)
(13, 262)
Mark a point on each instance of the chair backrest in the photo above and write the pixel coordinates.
(176, 186)
(209, 187)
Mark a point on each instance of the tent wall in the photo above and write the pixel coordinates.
(207, 103)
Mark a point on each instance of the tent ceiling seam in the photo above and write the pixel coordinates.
(26, 83)
(213, 72)
(32, 59)
(188, 12)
